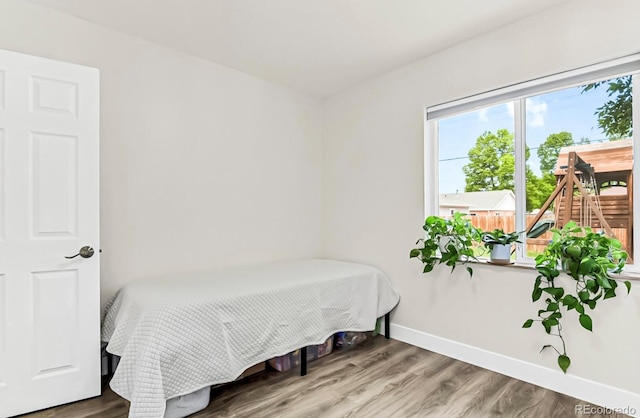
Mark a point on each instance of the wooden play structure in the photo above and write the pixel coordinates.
(594, 188)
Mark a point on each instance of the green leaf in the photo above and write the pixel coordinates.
(592, 285)
(569, 301)
(628, 284)
(585, 321)
(537, 282)
(580, 308)
(583, 295)
(537, 293)
(587, 265)
(564, 362)
(604, 282)
(470, 271)
(548, 323)
(527, 323)
(427, 268)
(414, 253)
(544, 270)
(556, 292)
(592, 304)
(552, 307)
(545, 347)
(555, 315)
(547, 272)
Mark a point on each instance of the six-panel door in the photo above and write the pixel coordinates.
(49, 209)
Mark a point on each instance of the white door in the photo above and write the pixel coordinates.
(49, 209)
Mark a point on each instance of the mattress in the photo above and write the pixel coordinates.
(176, 335)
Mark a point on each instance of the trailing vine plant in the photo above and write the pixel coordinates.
(589, 258)
(447, 241)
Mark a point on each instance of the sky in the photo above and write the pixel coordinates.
(564, 110)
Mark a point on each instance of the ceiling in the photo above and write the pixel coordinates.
(315, 46)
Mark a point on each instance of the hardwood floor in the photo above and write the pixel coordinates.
(381, 378)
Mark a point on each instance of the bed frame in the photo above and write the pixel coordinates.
(303, 355)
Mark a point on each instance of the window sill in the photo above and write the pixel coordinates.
(625, 275)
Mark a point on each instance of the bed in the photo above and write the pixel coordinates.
(176, 335)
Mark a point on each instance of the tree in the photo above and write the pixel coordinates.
(492, 167)
(539, 189)
(491, 162)
(615, 116)
(550, 149)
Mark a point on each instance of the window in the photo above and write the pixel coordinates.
(533, 156)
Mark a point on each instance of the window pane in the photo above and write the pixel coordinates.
(584, 130)
(476, 163)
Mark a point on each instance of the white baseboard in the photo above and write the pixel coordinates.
(577, 387)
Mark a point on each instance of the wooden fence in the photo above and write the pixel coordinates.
(534, 245)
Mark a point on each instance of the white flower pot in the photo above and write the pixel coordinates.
(501, 254)
(444, 243)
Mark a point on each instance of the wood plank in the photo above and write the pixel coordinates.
(382, 378)
(606, 157)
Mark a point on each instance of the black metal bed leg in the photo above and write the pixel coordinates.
(303, 361)
(387, 325)
(107, 377)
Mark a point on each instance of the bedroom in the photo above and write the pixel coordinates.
(337, 174)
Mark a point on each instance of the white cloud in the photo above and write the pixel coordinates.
(509, 107)
(482, 115)
(536, 110)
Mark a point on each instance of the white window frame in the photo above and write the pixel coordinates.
(517, 94)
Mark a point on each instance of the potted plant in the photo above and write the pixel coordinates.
(500, 243)
(587, 257)
(449, 241)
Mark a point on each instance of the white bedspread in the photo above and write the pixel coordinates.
(177, 335)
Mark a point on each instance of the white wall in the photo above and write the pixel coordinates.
(373, 191)
(201, 165)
